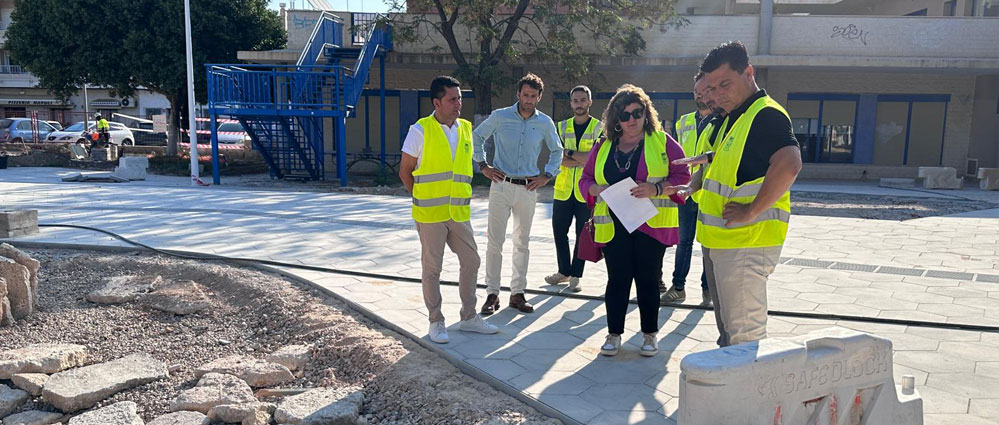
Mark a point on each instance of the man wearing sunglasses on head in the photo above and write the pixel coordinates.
(518, 132)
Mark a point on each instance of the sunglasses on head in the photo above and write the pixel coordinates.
(625, 116)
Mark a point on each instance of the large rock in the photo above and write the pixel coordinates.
(124, 289)
(19, 223)
(22, 258)
(33, 417)
(122, 413)
(181, 418)
(18, 287)
(238, 413)
(321, 406)
(178, 297)
(10, 399)
(30, 382)
(41, 358)
(293, 357)
(80, 388)
(258, 373)
(213, 389)
(6, 318)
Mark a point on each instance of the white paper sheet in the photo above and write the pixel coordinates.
(630, 210)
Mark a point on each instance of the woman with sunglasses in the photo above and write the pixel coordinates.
(634, 146)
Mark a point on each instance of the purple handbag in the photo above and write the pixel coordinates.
(587, 249)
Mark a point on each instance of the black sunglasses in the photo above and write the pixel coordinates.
(625, 116)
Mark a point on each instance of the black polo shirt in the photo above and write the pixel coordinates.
(770, 132)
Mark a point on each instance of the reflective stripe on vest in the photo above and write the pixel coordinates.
(442, 188)
(567, 180)
(657, 162)
(719, 188)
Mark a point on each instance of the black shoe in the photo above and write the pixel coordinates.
(492, 304)
(662, 286)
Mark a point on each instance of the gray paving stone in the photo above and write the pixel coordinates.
(626, 397)
(501, 369)
(551, 383)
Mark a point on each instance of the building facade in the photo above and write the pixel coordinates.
(874, 88)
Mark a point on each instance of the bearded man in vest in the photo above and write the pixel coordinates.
(437, 170)
(743, 194)
(578, 133)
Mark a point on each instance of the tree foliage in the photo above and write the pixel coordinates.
(127, 44)
(570, 34)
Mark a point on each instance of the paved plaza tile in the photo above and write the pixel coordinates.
(937, 269)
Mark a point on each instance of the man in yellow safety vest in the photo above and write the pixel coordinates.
(743, 194)
(578, 134)
(437, 170)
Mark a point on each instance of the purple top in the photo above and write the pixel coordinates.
(678, 175)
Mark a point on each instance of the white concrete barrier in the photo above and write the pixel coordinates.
(132, 167)
(988, 178)
(832, 376)
(940, 178)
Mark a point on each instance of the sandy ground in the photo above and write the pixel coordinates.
(252, 313)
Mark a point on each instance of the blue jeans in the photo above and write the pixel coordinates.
(685, 249)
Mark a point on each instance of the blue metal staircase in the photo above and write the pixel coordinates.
(289, 110)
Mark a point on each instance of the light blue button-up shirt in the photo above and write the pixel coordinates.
(518, 142)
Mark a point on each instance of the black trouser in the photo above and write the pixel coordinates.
(563, 212)
(633, 257)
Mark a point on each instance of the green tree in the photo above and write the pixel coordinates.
(127, 44)
(504, 32)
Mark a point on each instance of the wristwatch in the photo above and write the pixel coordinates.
(548, 175)
(482, 165)
(711, 156)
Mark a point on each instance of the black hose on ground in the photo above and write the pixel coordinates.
(775, 313)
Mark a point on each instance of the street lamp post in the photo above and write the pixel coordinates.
(192, 120)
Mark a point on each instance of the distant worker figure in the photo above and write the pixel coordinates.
(104, 137)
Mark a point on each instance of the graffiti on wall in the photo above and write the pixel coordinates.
(850, 32)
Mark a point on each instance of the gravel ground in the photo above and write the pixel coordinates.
(879, 207)
(252, 313)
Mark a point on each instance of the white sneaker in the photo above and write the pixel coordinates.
(649, 346)
(438, 333)
(574, 284)
(556, 278)
(476, 324)
(706, 298)
(611, 345)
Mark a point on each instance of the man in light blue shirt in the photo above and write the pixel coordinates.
(518, 133)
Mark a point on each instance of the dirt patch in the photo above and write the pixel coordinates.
(880, 207)
(252, 313)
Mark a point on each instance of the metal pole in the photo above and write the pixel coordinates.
(192, 120)
(216, 179)
(86, 109)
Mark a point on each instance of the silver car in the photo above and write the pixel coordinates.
(232, 133)
(18, 130)
(120, 134)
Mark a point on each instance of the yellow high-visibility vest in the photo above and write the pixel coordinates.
(657, 161)
(567, 180)
(442, 185)
(686, 132)
(704, 144)
(719, 188)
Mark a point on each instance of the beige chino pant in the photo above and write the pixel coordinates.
(457, 236)
(737, 280)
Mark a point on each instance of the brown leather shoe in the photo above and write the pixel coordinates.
(492, 304)
(518, 302)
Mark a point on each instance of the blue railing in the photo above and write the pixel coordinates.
(276, 89)
(328, 32)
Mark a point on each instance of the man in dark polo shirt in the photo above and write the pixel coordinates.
(743, 194)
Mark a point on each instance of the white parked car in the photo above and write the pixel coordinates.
(120, 134)
(232, 133)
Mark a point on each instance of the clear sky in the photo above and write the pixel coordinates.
(345, 5)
